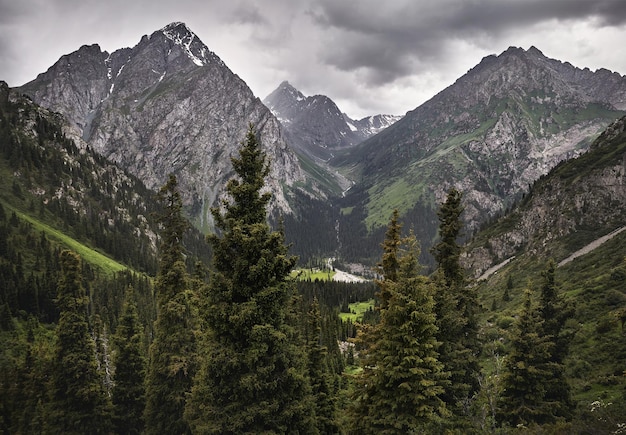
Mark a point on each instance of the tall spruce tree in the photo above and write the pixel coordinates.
(78, 403)
(253, 376)
(456, 307)
(173, 352)
(525, 372)
(320, 377)
(398, 390)
(554, 311)
(390, 263)
(447, 251)
(128, 394)
(536, 390)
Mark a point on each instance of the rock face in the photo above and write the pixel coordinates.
(84, 195)
(168, 105)
(586, 195)
(315, 125)
(491, 134)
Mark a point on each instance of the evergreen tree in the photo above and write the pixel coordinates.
(128, 394)
(456, 308)
(554, 312)
(78, 403)
(525, 372)
(389, 265)
(321, 386)
(253, 376)
(173, 354)
(398, 390)
(447, 251)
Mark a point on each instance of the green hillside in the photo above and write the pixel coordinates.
(578, 202)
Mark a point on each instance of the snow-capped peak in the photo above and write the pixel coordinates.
(180, 34)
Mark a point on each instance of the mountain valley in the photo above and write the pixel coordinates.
(536, 147)
(169, 105)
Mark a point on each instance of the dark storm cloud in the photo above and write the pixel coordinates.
(388, 41)
(369, 56)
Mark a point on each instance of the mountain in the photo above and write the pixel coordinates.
(315, 125)
(576, 216)
(169, 105)
(491, 134)
(579, 201)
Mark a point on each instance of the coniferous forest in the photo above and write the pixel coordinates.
(215, 335)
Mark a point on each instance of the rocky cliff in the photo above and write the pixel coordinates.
(578, 201)
(168, 105)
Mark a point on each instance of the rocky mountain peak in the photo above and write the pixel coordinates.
(194, 48)
(284, 101)
(168, 105)
(316, 126)
(491, 134)
(285, 88)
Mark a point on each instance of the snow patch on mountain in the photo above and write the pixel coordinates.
(180, 34)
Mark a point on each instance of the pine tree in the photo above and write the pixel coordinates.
(525, 372)
(253, 374)
(128, 394)
(173, 353)
(456, 308)
(78, 402)
(399, 389)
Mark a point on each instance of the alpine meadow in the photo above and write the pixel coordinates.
(179, 256)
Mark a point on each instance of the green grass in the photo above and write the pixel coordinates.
(321, 175)
(594, 283)
(384, 199)
(352, 370)
(312, 275)
(357, 309)
(91, 256)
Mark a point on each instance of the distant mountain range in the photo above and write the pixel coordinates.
(316, 127)
(170, 105)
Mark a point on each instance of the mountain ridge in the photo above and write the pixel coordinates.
(490, 135)
(169, 105)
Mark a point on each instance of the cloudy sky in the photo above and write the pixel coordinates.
(369, 56)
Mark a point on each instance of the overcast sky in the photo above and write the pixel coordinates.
(382, 56)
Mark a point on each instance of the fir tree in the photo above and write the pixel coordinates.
(321, 386)
(447, 251)
(525, 372)
(390, 263)
(173, 354)
(128, 394)
(398, 390)
(78, 402)
(456, 308)
(554, 312)
(253, 376)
